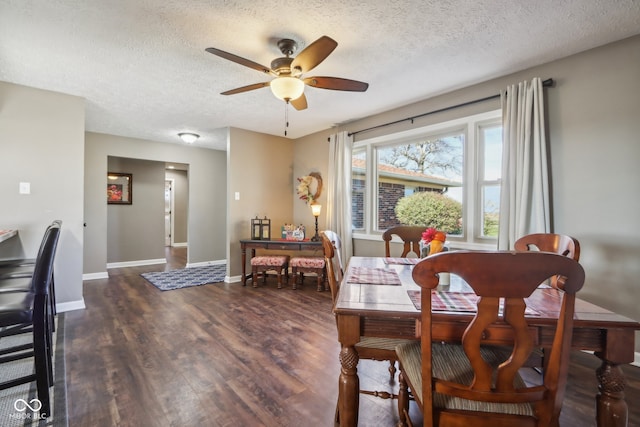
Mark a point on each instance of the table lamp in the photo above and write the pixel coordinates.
(315, 210)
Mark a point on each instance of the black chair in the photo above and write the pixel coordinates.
(30, 310)
(23, 269)
(24, 264)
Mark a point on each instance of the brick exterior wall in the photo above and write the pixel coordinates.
(388, 196)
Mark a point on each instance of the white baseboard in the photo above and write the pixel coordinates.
(232, 279)
(180, 245)
(205, 263)
(70, 306)
(136, 263)
(94, 276)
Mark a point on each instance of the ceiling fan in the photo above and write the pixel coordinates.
(288, 83)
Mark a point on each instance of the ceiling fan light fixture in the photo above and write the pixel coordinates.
(287, 88)
(188, 137)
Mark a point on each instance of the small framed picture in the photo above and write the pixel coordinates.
(119, 186)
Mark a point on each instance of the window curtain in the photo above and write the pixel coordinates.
(338, 212)
(524, 197)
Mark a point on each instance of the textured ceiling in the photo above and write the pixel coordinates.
(141, 65)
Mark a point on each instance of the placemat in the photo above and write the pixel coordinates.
(402, 261)
(447, 301)
(373, 276)
(455, 301)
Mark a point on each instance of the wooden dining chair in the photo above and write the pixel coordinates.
(550, 242)
(411, 236)
(368, 347)
(337, 245)
(475, 382)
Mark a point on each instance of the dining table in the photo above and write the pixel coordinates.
(379, 298)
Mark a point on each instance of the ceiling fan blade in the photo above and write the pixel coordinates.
(299, 103)
(239, 60)
(313, 54)
(246, 88)
(336, 83)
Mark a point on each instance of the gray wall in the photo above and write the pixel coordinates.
(207, 195)
(594, 136)
(135, 232)
(260, 169)
(181, 203)
(42, 142)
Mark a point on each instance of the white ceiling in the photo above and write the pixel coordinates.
(143, 69)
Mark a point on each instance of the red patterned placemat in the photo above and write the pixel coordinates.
(373, 276)
(402, 261)
(455, 301)
(447, 301)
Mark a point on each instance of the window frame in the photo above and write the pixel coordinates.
(470, 127)
(481, 182)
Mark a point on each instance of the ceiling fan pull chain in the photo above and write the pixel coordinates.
(286, 117)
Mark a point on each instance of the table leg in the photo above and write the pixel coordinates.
(611, 408)
(348, 388)
(244, 265)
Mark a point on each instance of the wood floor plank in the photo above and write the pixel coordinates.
(228, 355)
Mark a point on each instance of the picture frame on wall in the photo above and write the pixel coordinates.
(119, 188)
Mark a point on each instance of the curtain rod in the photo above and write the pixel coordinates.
(545, 83)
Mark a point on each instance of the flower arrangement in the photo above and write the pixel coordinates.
(304, 193)
(304, 187)
(434, 240)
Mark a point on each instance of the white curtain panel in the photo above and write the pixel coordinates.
(338, 212)
(524, 199)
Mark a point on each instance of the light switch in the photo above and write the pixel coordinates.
(237, 195)
(25, 188)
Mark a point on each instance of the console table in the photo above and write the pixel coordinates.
(277, 244)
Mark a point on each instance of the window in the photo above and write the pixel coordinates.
(489, 178)
(358, 169)
(445, 175)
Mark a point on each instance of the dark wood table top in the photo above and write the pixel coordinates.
(395, 300)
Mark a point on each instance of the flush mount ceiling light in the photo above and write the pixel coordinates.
(189, 137)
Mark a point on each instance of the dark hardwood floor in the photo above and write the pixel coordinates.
(224, 354)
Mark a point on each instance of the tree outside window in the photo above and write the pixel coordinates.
(445, 176)
(426, 165)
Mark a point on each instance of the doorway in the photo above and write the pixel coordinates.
(169, 207)
(176, 202)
